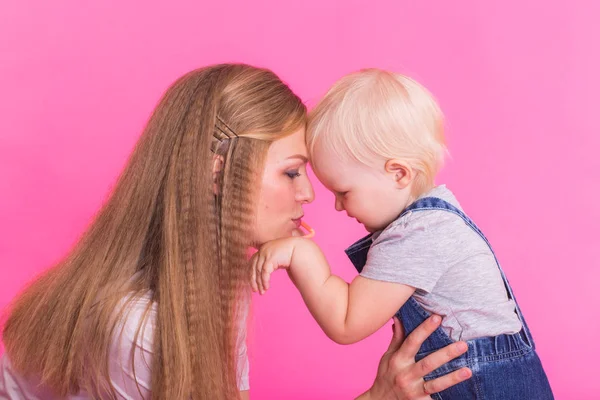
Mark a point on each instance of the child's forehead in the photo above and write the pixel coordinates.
(334, 170)
(324, 157)
(331, 178)
(327, 155)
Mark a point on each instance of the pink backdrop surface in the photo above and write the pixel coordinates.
(517, 81)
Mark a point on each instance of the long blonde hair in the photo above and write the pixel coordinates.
(165, 224)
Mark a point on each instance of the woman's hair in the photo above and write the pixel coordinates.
(181, 228)
(375, 115)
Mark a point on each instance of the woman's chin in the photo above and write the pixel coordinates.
(281, 235)
(297, 232)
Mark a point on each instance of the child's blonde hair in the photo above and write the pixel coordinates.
(374, 115)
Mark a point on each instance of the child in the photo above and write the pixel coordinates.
(376, 141)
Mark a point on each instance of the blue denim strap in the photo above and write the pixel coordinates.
(434, 203)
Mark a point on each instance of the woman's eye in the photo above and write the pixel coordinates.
(293, 174)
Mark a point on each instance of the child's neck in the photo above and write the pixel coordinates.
(416, 196)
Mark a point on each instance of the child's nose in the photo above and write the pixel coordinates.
(339, 206)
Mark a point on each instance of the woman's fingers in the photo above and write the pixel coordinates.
(397, 336)
(413, 342)
(439, 358)
(444, 382)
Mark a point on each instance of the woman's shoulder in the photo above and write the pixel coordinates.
(131, 350)
(136, 319)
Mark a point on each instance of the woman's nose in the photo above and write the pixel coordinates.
(306, 193)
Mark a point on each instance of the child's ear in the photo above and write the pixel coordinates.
(400, 171)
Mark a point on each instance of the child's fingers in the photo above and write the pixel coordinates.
(270, 267)
(259, 267)
(266, 273)
(253, 275)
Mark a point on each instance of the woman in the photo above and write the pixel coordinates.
(151, 300)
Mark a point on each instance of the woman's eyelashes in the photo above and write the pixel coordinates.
(293, 174)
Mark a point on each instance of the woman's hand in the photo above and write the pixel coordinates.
(399, 377)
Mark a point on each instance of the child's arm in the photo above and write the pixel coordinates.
(347, 313)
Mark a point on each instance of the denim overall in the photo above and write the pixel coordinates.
(504, 367)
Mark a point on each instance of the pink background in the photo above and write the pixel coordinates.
(518, 81)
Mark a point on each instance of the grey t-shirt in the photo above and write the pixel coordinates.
(451, 267)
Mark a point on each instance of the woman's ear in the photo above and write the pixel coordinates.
(217, 168)
(400, 171)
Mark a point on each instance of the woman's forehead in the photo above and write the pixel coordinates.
(289, 146)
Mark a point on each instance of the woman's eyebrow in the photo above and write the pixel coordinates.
(299, 156)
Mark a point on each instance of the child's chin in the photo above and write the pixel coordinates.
(371, 229)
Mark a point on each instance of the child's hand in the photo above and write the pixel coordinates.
(273, 255)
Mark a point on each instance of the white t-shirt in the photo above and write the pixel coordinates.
(14, 386)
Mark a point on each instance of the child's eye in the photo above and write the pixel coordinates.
(293, 174)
